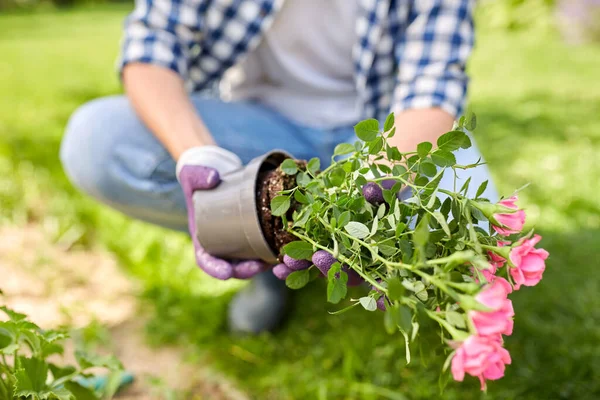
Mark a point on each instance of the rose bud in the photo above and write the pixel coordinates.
(373, 193)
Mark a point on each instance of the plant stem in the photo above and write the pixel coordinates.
(5, 389)
(451, 330)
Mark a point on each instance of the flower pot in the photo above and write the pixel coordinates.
(227, 217)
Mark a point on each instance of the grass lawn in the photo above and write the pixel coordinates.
(538, 106)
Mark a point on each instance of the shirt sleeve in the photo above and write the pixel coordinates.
(161, 32)
(432, 55)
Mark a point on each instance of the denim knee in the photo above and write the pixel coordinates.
(108, 153)
(79, 135)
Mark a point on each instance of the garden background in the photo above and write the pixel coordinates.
(63, 257)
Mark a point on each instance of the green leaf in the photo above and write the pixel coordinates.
(348, 167)
(10, 349)
(360, 181)
(344, 219)
(298, 279)
(280, 205)
(13, 315)
(367, 130)
(343, 148)
(465, 187)
(337, 176)
(423, 149)
(422, 295)
(368, 303)
(33, 341)
(466, 142)
(427, 168)
(389, 196)
(374, 226)
(300, 197)
(305, 215)
(375, 146)
(381, 211)
(442, 221)
(421, 233)
(302, 179)
(394, 154)
(389, 122)
(298, 250)
(313, 165)
(289, 167)
(387, 250)
(395, 289)
(456, 319)
(446, 206)
(470, 121)
(400, 228)
(451, 141)
(481, 188)
(31, 376)
(392, 133)
(87, 360)
(59, 372)
(336, 287)
(398, 170)
(443, 158)
(357, 230)
(384, 168)
(80, 392)
(401, 316)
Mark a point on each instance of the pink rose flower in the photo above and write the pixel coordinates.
(480, 356)
(513, 222)
(529, 262)
(496, 262)
(499, 320)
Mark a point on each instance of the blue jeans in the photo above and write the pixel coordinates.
(108, 153)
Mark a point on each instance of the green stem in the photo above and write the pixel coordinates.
(449, 193)
(378, 257)
(432, 279)
(451, 330)
(411, 268)
(4, 388)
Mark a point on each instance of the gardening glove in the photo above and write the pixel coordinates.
(199, 168)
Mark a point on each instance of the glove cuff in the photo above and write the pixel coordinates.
(224, 161)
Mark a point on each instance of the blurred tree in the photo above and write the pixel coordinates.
(532, 15)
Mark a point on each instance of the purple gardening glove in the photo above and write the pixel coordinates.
(198, 169)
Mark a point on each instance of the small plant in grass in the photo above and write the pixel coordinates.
(439, 254)
(27, 373)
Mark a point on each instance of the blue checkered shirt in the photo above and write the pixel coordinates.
(408, 54)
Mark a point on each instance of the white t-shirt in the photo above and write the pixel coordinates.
(303, 67)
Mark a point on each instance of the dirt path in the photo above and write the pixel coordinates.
(57, 286)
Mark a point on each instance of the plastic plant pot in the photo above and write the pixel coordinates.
(227, 217)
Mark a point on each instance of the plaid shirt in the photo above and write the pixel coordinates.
(408, 53)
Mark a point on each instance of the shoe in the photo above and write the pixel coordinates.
(260, 306)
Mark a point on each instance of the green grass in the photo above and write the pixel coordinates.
(538, 107)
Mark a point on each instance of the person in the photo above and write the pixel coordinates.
(305, 71)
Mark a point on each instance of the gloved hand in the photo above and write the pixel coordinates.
(198, 168)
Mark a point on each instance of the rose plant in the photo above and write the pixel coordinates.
(379, 216)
